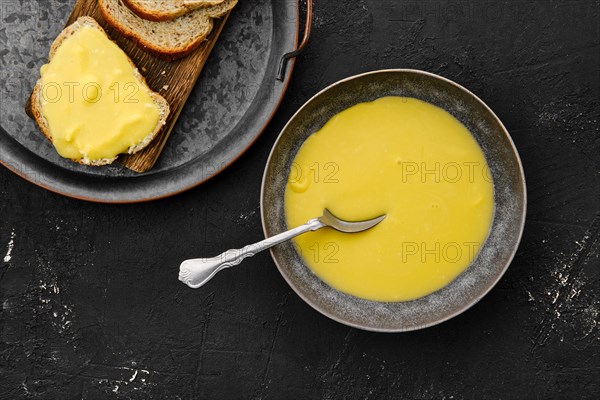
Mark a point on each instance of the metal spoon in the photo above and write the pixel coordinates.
(197, 272)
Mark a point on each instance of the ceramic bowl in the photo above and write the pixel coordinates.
(495, 254)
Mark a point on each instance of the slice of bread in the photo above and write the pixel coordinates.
(214, 11)
(170, 39)
(163, 10)
(36, 97)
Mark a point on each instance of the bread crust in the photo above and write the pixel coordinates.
(155, 16)
(176, 11)
(36, 96)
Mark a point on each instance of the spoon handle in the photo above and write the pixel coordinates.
(197, 272)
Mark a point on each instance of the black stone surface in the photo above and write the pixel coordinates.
(91, 307)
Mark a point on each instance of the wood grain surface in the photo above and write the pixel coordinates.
(173, 80)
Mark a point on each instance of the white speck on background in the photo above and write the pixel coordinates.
(10, 246)
(531, 298)
(25, 388)
(247, 215)
(133, 377)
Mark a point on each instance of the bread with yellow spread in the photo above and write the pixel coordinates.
(38, 102)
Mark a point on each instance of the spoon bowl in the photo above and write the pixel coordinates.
(348, 227)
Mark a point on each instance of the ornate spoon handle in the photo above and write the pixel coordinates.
(197, 272)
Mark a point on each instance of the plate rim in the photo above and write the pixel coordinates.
(465, 307)
(9, 155)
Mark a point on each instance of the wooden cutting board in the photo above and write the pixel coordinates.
(173, 80)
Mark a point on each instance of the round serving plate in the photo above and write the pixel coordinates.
(509, 197)
(234, 99)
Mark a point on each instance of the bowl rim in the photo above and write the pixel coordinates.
(466, 306)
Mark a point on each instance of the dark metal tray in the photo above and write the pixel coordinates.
(233, 101)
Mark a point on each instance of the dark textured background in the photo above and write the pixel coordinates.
(91, 307)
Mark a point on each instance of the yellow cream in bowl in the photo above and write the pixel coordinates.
(409, 160)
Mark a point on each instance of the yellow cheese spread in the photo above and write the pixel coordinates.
(94, 104)
(409, 160)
